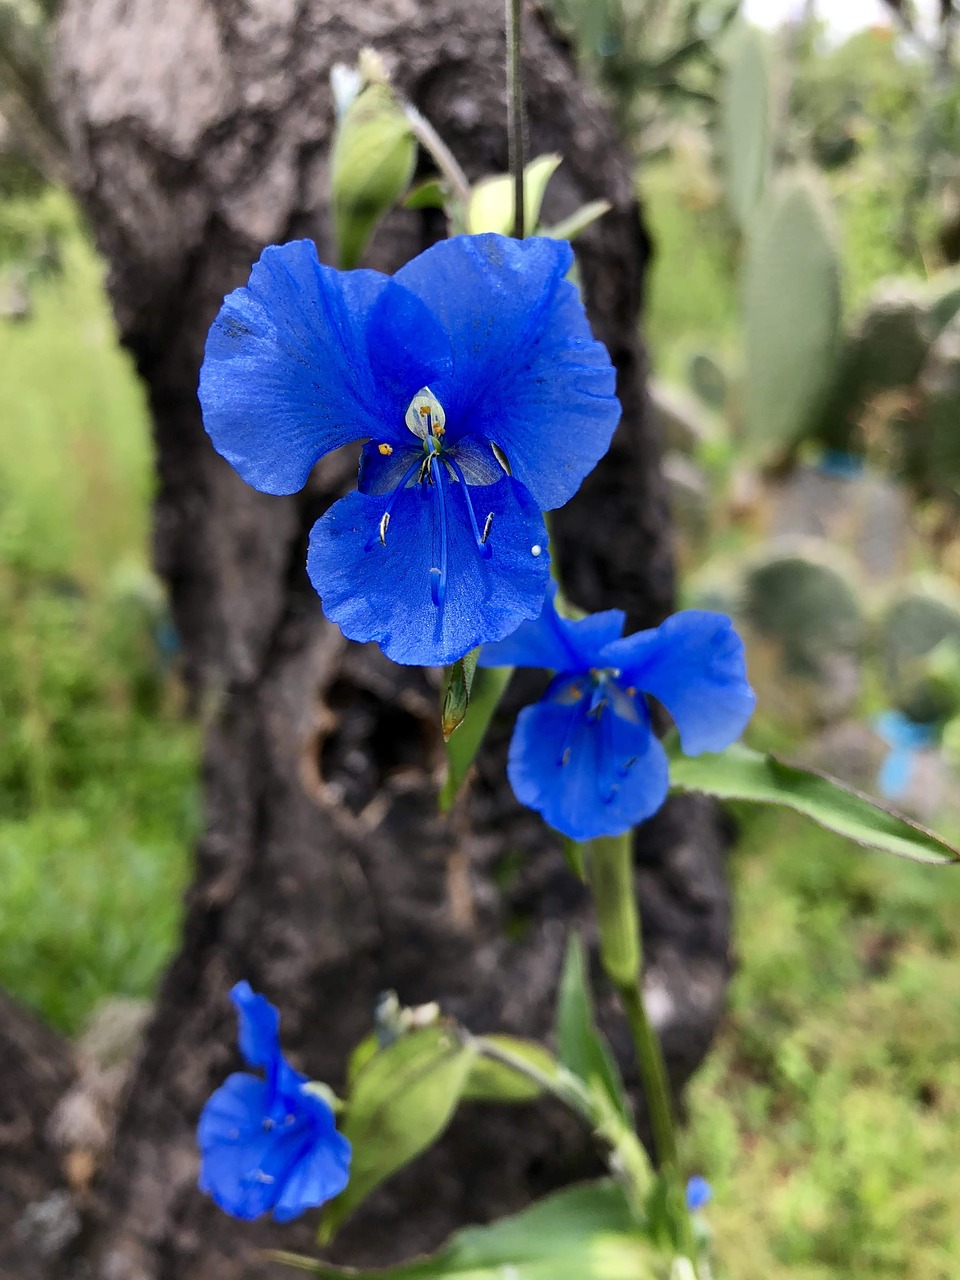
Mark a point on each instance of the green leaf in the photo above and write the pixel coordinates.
(371, 165)
(745, 116)
(587, 1232)
(491, 200)
(741, 774)
(791, 311)
(492, 1081)
(486, 691)
(426, 195)
(582, 1048)
(457, 683)
(570, 228)
(401, 1101)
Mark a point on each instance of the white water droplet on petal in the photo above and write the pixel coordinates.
(536, 549)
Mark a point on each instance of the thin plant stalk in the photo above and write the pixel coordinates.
(515, 111)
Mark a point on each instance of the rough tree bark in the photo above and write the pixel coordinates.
(199, 131)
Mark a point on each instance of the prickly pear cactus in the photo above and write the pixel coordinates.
(931, 444)
(684, 423)
(915, 630)
(791, 312)
(708, 381)
(746, 123)
(805, 627)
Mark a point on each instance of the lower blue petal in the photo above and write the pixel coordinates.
(587, 776)
(321, 1173)
(235, 1145)
(382, 592)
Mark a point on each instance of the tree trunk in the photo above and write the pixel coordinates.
(200, 131)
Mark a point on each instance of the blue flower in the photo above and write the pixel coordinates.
(906, 738)
(698, 1193)
(484, 400)
(585, 756)
(268, 1144)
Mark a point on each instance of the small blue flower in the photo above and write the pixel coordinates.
(906, 738)
(484, 400)
(268, 1144)
(585, 756)
(698, 1193)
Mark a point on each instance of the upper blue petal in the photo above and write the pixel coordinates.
(587, 776)
(694, 664)
(288, 371)
(258, 1026)
(527, 372)
(383, 592)
(556, 643)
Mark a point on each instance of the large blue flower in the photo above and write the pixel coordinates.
(585, 756)
(483, 397)
(269, 1143)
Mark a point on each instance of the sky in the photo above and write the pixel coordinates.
(843, 16)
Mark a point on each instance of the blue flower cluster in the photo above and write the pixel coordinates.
(586, 756)
(484, 400)
(269, 1144)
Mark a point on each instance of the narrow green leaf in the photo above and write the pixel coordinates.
(581, 1046)
(457, 683)
(426, 195)
(570, 228)
(492, 1081)
(486, 691)
(401, 1101)
(741, 774)
(586, 1232)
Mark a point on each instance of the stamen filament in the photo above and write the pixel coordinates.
(381, 534)
(481, 538)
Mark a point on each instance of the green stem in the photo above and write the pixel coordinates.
(515, 110)
(653, 1073)
(444, 158)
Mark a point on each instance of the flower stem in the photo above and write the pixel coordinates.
(515, 111)
(563, 1085)
(443, 157)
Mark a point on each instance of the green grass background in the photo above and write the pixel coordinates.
(827, 1116)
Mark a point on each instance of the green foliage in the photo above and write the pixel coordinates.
(400, 1101)
(97, 768)
(586, 1232)
(746, 121)
(610, 865)
(791, 312)
(742, 774)
(371, 165)
(827, 1117)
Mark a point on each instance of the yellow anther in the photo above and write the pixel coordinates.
(439, 431)
(385, 449)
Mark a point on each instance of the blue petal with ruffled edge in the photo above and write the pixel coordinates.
(268, 1144)
(553, 642)
(587, 774)
(428, 617)
(527, 372)
(694, 664)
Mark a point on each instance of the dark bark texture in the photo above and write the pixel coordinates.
(199, 131)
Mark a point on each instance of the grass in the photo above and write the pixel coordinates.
(97, 768)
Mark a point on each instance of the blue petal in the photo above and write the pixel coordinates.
(527, 372)
(698, 1193)
(896, 773)
(286, 375)
(615, 773)
(381, 473)
(322, 1172)
(259, 1026)
(898, 730)
(235, 1145)
(694, 664)
(407, 347)
(556, 643)
(383, 592)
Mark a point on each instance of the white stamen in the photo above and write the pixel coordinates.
(385, 520)
(488, 525)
